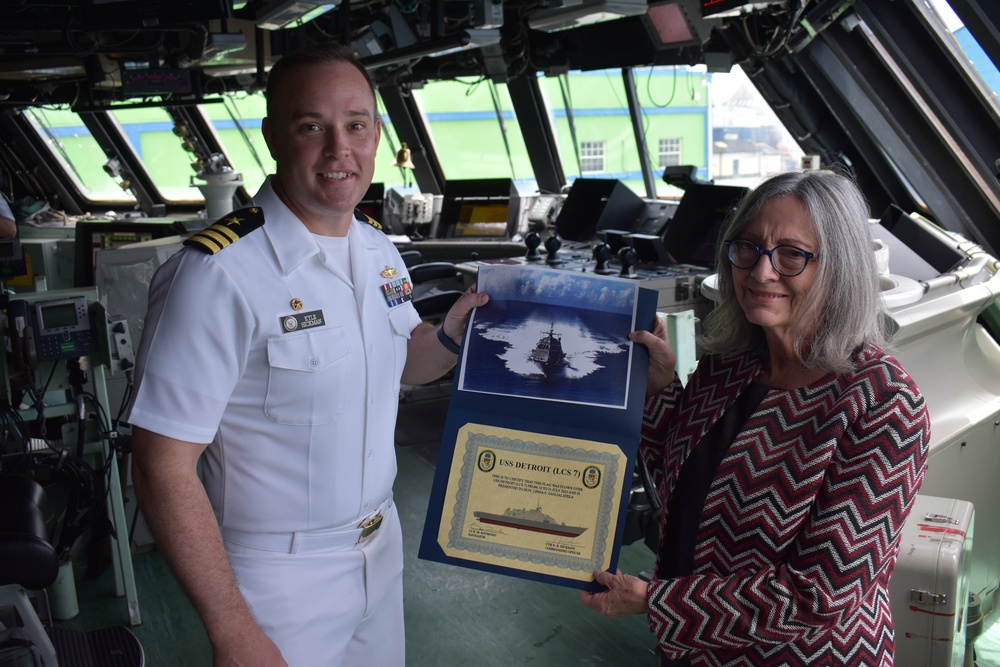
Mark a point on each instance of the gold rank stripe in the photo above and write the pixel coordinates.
(215, 238)
(227, 230)
(364, 217)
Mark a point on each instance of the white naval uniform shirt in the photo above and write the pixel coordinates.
(300, 424)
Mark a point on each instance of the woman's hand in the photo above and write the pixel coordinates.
(662, 358)
(626, 595)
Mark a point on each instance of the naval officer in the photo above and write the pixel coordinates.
(273, 352)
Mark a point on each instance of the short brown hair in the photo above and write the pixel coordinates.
(315, 54)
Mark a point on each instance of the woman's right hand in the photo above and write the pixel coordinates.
(662, 358)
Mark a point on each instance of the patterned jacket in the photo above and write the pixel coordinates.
(800, 529)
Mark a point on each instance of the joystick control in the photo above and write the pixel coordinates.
(532, 240)
(602, 253)
(552, 245)
(627, 257)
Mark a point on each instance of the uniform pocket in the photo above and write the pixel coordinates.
(306, 380)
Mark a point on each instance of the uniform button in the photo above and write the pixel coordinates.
(314, 362)
(371, 400)
(370, 453)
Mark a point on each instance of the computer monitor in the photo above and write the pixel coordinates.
(479, 208)
(594, 204)
(92, 236)
(693, 231)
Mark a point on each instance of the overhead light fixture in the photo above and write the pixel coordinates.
(572, 13)
(718, 9)
(478, 38)
(463, 40)
(284, 13)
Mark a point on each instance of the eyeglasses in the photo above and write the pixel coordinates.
(787, 260)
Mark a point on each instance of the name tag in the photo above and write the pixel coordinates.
(297, 321)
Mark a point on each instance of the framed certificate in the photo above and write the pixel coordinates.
(535, 466)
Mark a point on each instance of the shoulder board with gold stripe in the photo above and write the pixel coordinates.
(364, 217)
(227, 230)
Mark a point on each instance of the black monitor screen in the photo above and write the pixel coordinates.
(93, 236)
(693, 232)
(594, 204)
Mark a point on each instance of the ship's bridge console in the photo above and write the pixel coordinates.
(603, 227)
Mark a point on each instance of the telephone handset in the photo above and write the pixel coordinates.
(21, 335)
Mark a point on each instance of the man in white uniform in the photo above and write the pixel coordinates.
(273, 351)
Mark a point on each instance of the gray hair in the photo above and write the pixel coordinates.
(842, 310)
(315, 54)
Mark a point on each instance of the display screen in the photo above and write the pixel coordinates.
(482, 220)
(109, 240)
(57, 315)
(691, 236)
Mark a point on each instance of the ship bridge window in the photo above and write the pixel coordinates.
(237, 122)
(968, 51)
(585, 105)
(149, 130)
(474, 129)
(717, 122)
(721, 123)
(74, 147)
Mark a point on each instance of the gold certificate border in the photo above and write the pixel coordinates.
(493, 468)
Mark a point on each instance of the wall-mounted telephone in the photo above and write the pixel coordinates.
(49, 330)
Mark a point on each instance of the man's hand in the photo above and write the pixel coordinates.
(458, 315)
(255, 650)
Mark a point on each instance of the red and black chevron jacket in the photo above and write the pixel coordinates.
(800, 529)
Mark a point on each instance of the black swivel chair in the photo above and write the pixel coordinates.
(28, 565)
(29, 561)
(423, 408)
(431, 301)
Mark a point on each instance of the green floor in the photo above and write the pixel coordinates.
(454, 616)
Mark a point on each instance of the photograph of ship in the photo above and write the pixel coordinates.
(534, 520)
(551, 335)
(548, 353)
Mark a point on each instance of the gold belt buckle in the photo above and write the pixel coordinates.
(369, 527)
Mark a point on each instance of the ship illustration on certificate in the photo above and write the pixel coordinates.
(530, 519)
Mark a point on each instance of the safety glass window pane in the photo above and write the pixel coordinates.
(74, 147)
(150, 132)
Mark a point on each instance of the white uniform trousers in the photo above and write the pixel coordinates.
(327, 606)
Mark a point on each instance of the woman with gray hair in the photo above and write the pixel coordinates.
(789, 461)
